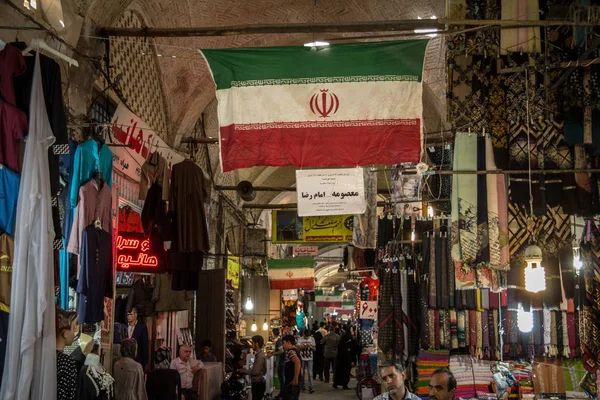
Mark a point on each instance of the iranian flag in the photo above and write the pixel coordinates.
(328, 299)
(292, 273)
(343, 105)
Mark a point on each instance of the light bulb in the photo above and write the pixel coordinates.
(265, 326)
(524, 320)
(316, 43)
(249, 305)
(253, 328)
(412, 236)
(430, 212)
(535, 278)
(577, 264)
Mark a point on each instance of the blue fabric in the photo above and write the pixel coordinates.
(89, 159)
(66, 173)
(300, 320)
(9, 194)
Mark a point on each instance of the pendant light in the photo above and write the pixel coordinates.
(265, 325)
(524, 320)
(249, 305)
(254, 328)
(535, 276)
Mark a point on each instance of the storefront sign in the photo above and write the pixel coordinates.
(289, 294)
(306, 251)
(129, 129)
(288, 227)
(134, 254)
(233, 270)
(368, 310)
(330, 191)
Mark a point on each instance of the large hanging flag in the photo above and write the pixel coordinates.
(326, 298)
(292, 273)
(343, 105)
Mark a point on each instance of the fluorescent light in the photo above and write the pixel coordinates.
(61, 22)
(429, 32)
(316, 43)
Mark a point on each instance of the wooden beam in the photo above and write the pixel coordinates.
(408, 25)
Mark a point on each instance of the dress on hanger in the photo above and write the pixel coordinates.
(94, 383)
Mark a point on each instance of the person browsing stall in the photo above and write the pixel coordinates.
(293, 364)
(259, 368)
(187, 367)
(442, 385)
(393, 376)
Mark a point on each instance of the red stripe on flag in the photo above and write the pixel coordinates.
(328, 303)
(321, 146)
(300, 283)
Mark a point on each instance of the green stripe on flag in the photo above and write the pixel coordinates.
(360, 62)
(292, 263)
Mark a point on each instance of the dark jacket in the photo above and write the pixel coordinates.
(140, 334)
(163, 384)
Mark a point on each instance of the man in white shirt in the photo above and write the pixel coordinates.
(187, 367)
(393, 376)
(307, 346)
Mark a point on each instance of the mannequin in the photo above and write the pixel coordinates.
(93, 381)
(301, 319)
(66, 369)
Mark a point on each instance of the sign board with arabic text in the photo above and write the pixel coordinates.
(330, 191)
(368, 310)
(306, 251)
(288, 227)
(135, 253)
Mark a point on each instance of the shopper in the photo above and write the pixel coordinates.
(442, 385)
(279, 359)
(318, 357)
(259, 368)
(341, 377)
(330, 342)
(393, 376)
(129, 375)
(163, 383)
(186, 367)
(207, 355)
(307, 346)
(293, 364)
(66, 369)
(139, 332)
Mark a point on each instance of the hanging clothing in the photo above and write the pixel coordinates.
(93, 203)
(12, 64)
(7, 246)
(66, 376)
(90, 157)
(9, 193)
(93, 382)
(365, 225)
(130, 221)
(186, 202)
(13, 126)
(95, 274)
(30, 360)
(166, 299)
(140, 297)
(155, 170)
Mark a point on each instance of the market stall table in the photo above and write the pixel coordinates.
(207, 381)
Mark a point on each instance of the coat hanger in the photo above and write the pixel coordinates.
(40, 44)
(98, 224)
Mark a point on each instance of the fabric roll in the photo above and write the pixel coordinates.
(464, 199)
(365, 225)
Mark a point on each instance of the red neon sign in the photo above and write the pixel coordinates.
(134, 253)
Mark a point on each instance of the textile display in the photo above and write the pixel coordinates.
(310, 99)
(472, 375)
(427, 362)
(9, 191)
(590, 318)
(365, 225)
(30, 361)
(406, 193)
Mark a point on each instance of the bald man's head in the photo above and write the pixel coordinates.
(185, 352)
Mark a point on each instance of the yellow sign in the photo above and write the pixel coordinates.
(233, 270)
(288, 227)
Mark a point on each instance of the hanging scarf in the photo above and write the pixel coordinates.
(365, 225)
(485, 335)
(547, 327)
(479, 335)
(447, 331)
(565, 328)
(464, 199)
(483, 241)
(473, 332)
(553, 335)
(453, 330)
(461, 335)
(443, 302)
(432, 274)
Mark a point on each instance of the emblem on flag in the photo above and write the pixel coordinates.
(325, 103)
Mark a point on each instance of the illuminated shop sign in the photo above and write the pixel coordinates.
(135, 254)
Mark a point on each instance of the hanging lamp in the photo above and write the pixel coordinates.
(524, 320)
(249, 305)
(265, 325)
(254, 328)
(535, 275)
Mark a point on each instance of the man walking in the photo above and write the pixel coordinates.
(393, 376)
(307, 345)
(259, 368)
(318, 356)
(330, 343)
(293, 363)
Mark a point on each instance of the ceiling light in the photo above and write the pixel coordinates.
(535, 276)
(341, 269)
(265, 325)
(428, 32)
(174, 56)
(254, 328)
(249, 305)
(524, 320)
(316, 43)
(61, 22)
(159, 55)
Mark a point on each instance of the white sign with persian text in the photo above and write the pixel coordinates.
(368, 310)
(330, 192)
(306, 251)
(129, 129)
